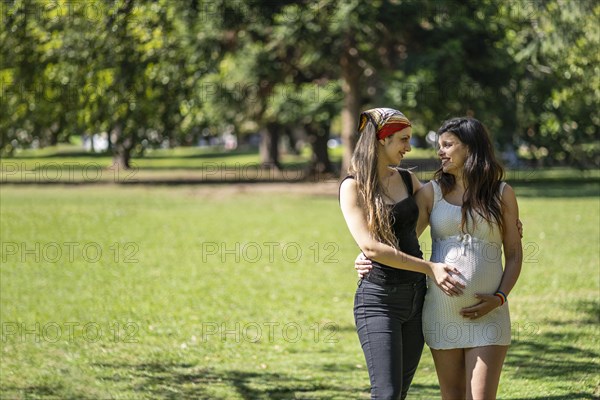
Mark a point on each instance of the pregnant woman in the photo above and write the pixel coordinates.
(473, 217)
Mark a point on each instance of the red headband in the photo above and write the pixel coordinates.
(392, 127)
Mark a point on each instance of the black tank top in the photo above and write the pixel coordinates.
(405, 214)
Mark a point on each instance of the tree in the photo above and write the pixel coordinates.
(558, 55)
(141, 53)
(311, 106)
(35, 76)
(348, 41)
(400, 53)
(155, 71)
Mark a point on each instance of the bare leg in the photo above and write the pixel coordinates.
(450, 368)
(483, 368)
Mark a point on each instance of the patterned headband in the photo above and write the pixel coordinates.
(387, 121)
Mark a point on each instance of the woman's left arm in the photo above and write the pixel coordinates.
(513, 255)
(362, 264)
(417, 185)
(511, 241)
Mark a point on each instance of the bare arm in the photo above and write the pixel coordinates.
(417, 185)
(356, 220)
(424, 199)
(511, 241)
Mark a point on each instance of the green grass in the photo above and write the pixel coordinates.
(175, 158)
(201, 295)
(69, 164)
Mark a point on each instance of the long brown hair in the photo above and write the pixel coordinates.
(482, 173)
(363, 166)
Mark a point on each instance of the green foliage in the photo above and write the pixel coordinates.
(558, 51)
(152, 72)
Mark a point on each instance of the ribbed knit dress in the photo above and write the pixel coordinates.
(478, 257)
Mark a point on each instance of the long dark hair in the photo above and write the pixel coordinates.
(363, 166)
(482, 173)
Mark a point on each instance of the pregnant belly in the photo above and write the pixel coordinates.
(480, 266)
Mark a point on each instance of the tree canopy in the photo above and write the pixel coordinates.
(154, 71)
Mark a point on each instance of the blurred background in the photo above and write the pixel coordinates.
(123, 78)
(169, 221)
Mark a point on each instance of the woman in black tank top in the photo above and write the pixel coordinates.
(379, 209)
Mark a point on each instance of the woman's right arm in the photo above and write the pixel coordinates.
(356, 220)
(424, 200)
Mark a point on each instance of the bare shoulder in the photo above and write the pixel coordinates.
(348, 190)
(508, 193)
(509, 198)
(424, 197)
(348, 184)
(426, 190)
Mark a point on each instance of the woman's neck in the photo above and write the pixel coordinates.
(459, 183)
(384, 172)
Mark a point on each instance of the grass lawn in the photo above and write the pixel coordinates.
(68, 164)
(182, 292)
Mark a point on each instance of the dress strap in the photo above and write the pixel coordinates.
(502, 186)
(437, 191)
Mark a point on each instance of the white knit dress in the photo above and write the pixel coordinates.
(478, 256)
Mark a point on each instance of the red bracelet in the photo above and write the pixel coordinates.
(500, 297)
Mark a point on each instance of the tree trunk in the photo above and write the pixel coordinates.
(351, 107)
(124, 138)
(269, 146)
(121, 147)
(92, 146)
(54, 132)
(320, 165)
(57, 128)
(292, 140)
(121, 158)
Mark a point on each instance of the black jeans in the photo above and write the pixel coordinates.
(388, 322)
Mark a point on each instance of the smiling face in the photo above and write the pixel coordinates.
(452, 152)
(395, 146)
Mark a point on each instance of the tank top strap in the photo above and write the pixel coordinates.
(347, 177)
(502, 186)
(407, 180)
(340, 186)
(437, 191)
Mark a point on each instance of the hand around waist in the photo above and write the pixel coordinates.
(442, 275)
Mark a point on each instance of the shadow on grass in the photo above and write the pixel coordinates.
(568, 396)
(186, 381)
(209, 166)
(227, 169)
(32, 392)
(208, 154)
(591, 310)
(203, 155)
(551, 356)
(61, 154)
(538, 360)
(563, 188)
